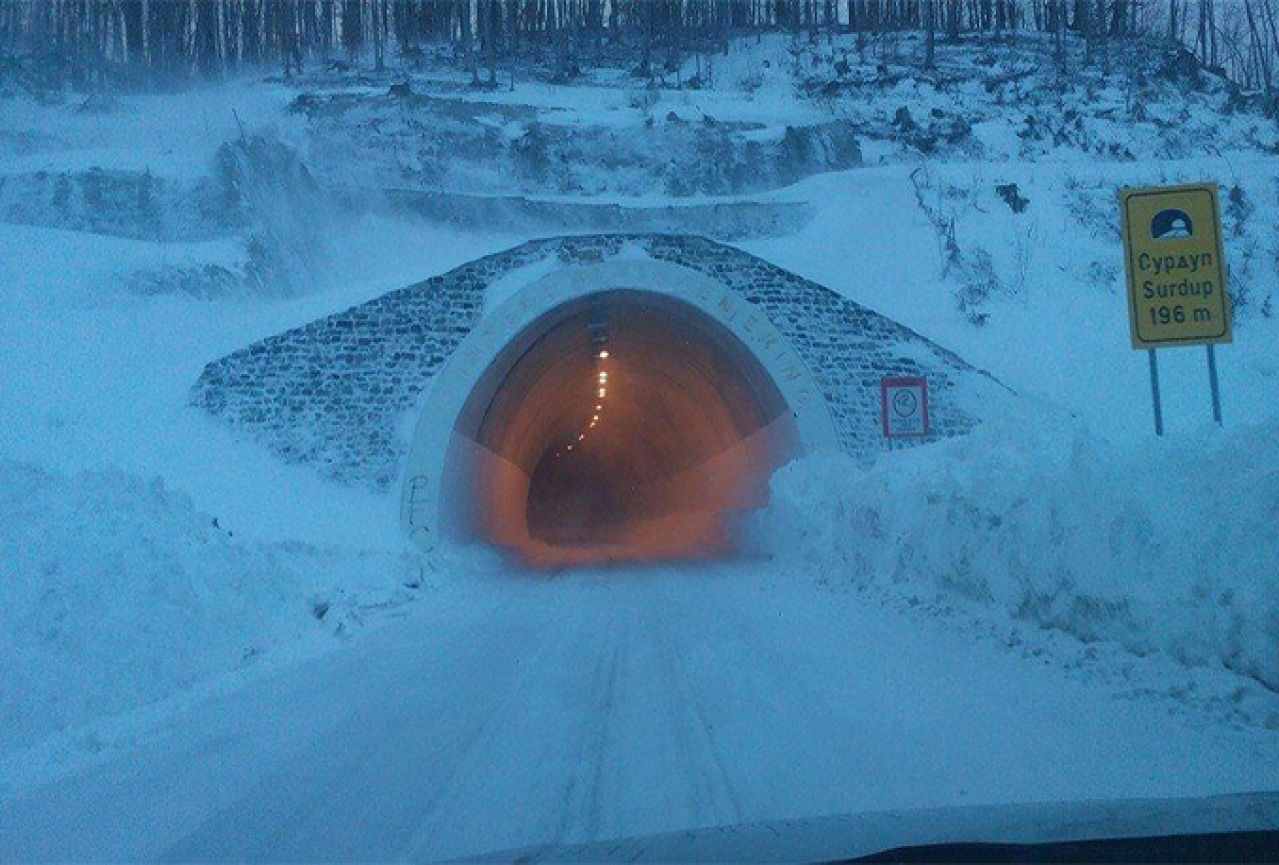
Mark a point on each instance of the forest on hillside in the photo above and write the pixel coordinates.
(55, 43)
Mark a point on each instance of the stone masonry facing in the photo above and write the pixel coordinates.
(336, 393)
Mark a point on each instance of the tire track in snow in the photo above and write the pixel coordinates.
(624, 704)
(715, 799)
(473, 751)
(382, 770)
(544, 759)
(753, 702)
(580, 815)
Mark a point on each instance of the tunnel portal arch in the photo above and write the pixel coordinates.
(370, 395)
(447, 464)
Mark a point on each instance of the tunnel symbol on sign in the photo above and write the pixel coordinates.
(1171, 224)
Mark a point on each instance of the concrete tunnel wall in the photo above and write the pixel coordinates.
(344, 393)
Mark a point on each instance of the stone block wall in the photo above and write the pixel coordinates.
(336, 393)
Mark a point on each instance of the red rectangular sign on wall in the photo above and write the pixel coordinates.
(904, 406)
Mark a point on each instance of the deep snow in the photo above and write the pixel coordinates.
(1168, 547)
(619, 703)
(118, 592)
(1059, 605)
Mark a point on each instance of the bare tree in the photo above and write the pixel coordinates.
(137, 39)
(930, 34)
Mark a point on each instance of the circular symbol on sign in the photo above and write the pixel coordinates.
(905, 403)
(1171, 224)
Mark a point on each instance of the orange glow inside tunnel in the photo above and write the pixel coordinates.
(625, 426)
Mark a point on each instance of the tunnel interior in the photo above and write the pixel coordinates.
(625, 425)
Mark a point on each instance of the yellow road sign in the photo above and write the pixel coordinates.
(1176, 270)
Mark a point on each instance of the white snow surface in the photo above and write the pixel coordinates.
(1170, 546)
(118, 592)
(1058, 606)
(621, 702)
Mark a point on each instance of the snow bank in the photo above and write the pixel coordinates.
(117, 592)
(1171, 547)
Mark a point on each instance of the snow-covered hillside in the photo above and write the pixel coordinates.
(119, 592)
(145, 551)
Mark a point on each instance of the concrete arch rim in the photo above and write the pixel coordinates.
(440, 407)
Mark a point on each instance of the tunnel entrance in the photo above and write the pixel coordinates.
(622, 425)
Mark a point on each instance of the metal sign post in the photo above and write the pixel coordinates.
(1154, 394)
(1212, 382)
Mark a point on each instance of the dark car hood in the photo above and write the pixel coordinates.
(847, 836)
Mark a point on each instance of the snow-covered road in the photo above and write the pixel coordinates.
(593, 705)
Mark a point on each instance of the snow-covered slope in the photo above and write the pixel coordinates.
(118, 590)
(1170, 547)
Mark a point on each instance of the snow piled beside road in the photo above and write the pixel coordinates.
(118, 592)
(1169, 547)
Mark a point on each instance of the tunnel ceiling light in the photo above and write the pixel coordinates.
(599, 408)
(603, 353)
(602, 392)
(595, 417)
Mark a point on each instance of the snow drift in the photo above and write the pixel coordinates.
(1170, 547)
(116, 592)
